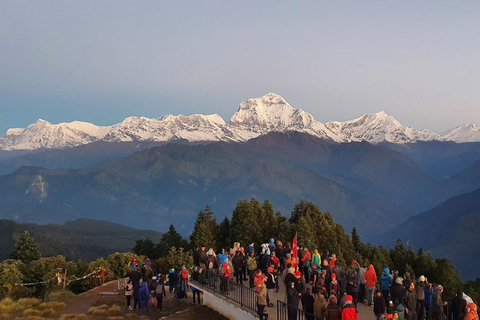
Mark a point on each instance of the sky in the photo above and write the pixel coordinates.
(102, 61)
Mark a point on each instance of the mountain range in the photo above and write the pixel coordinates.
(255, 117)
(370, 173)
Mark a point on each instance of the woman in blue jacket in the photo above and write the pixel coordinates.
(386, 283)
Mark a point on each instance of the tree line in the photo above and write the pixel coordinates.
(251, 222)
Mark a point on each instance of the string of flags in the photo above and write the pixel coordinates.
(59, 278)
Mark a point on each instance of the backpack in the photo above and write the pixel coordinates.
(184, 274)
(159, 289)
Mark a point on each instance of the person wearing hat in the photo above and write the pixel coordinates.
(293, 298)
(379, 305)
(386, 282)
(335, 285)
(397, 291)
(438, 303)
(420, 291)
(349, 311)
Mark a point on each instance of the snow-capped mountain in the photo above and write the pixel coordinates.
(378, 127)
(254, 117)
(194, 128)
(271, 112)
(43, 134)
(463, 133)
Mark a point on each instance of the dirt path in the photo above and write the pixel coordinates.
(106, 295)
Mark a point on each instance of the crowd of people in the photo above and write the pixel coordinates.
(148, 288)
(326, 290)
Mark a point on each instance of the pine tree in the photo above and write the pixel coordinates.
(244, 226)
(206, 231)
(171, 239)
(26, 249)
(146, 247)
(224, 234)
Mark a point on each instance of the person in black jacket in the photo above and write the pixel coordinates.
(459, 306)
(160, 292)
(237, 263)
(307, 301)
(411, 303)
(293, 297)
(379, 305)
(397, 291)
(271, 284)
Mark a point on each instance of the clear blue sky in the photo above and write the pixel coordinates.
(101, 61)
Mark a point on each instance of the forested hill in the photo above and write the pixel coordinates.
(84, 239)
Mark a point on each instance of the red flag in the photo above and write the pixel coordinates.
(295, 250)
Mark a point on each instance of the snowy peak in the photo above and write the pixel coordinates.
(463, 133)
(43, 134)
(272, 113)
(254, 117)
(376, 128)
(192, 128)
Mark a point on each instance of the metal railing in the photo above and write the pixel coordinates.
(231, 290)
(286, 312)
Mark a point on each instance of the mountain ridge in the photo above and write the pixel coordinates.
(254, 117)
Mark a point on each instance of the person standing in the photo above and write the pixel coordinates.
(261, 299)
(307, 257)
(308, 301)
(251, 266)
(386, 282)
(144, 295)
(370, 281)
(293, 298)
(411, 302)
(438, 304)
(419, 289)
(349, 310)
(128, 293)
(333, 310)
(428, 290)
(160, 292)
(459, 306)
(271, 285)
(237, 262)
(379, 305)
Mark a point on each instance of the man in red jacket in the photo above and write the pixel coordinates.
(349, 311)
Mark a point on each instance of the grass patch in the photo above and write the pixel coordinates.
(115, 318)
(104, 310)
(30, 318)
(31, 312)
(51, 305)
(73, 317)
(7, 305)
(61, 296)
(40, 313)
